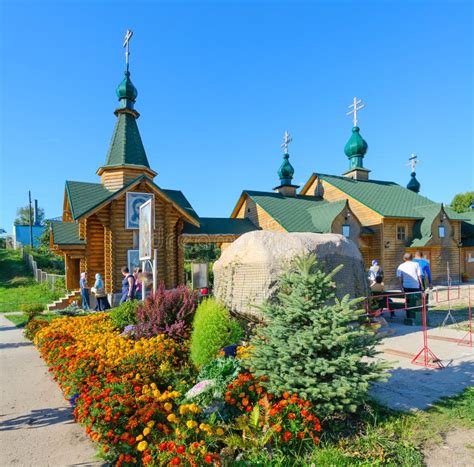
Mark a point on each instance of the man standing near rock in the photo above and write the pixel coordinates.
(409, 275)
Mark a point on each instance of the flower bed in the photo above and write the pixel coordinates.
(131, 397)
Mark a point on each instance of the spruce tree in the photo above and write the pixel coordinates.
(313, 344)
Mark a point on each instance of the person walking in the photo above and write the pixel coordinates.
(128, 285)
(84, 291)
(374, 272)
(409, 275)
(138, 283)
(100, 295)
(425, 270)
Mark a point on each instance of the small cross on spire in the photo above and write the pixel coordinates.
(128, 36)
(287, 139)
(412, 161)
(355, 107)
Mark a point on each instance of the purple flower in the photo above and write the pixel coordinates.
(199, 388)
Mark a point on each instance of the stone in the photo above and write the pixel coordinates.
(247, 272)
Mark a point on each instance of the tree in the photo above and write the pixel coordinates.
(463, 202)
(23, 215)
(313, 344)
(202, 252)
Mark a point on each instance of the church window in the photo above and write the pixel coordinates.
(401, 232)
(441, 231)
(346, 230)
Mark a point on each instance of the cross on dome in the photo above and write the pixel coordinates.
(128, 36)
(355, 107)
(287, 139)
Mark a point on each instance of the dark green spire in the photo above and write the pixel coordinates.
(414, 184)
(355, 149)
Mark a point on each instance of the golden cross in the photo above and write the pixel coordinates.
(287, 139)
(128, 36)
(355, 107)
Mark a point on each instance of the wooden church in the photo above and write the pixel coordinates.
(99, 228)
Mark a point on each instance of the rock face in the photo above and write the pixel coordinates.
(247, 272)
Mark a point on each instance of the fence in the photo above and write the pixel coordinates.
(39, 275)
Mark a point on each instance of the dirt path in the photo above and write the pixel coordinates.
(36, 423)
(457, 449)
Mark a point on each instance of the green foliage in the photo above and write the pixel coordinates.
(23, 215)
(33, 326)
(462, 202)
(125, 314)
(222, 371)
(46, 260)
(312, 344)
(32, 309)
(213, 328)
(201, 252)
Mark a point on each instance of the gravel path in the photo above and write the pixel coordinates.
(36, 423)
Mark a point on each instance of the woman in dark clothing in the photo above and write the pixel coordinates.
(128, 285)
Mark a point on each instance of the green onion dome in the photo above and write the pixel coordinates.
(286, 170)
(414, 184)
(126, 89)
(356, 146)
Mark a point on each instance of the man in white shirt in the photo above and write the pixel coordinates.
(409, 274)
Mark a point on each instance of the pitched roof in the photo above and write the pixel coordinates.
(386, 198)
(300, 213)
(66, 233)
(126, 147)
(83, 197)
(220, 226)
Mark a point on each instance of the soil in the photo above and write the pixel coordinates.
(457, 450)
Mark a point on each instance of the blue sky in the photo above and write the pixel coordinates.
(220, 82)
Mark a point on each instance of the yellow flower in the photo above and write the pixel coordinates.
(139, 438)
(168, 407)
(171, 418)
(146, 431)
(150, 424)
(191, 424)
(177, 431)
(219, 432)
(142, 446)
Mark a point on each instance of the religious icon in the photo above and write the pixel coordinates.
(133, 260)
(132, 211)
(146, 230)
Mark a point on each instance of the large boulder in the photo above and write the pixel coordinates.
(247, 272)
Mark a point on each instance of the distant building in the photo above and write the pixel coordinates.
(21, 235)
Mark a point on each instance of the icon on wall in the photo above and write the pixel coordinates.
(132, 208)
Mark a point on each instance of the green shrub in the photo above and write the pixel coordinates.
(32, 309)
(125, 314)
(33, 326)
(312, 344)
(213, 328)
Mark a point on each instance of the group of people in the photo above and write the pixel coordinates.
(132, 288)
(414, 274)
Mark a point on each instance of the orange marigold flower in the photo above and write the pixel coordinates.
(291, 416)
(287, 436)
(286, 395)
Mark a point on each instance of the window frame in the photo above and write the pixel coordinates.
(405, 232)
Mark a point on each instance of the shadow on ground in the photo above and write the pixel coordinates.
(38, 418)
(410, 389)
(14, 345)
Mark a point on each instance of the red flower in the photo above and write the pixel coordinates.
(300, 435)
(278, 428)
(208, 459)
(287, 436)
(291, 416)
(286, 395)
(181, 449)
(163, 446)
(175, 461)
(249, 408)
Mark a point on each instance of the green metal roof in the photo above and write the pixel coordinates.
(126, 147)
(220, 226)
(85, 196)
(300, 213)
(387, 198)
(467, 229)
(66, 233)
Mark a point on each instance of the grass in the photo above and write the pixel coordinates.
(17, 285)
(21, 320)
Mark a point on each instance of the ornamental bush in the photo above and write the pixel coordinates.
(124, 314)
(312, 344)
(32, 309)
(168, 312)
(213, 328)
